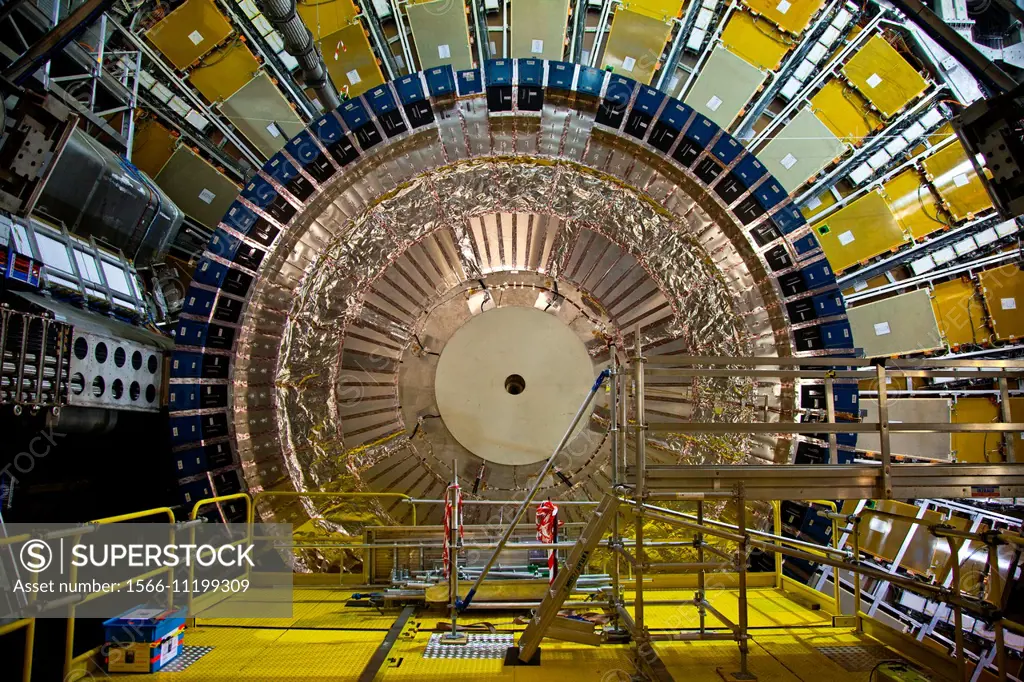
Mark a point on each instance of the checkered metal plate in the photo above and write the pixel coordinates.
(857, 658)
(478, 647)
(188, 656)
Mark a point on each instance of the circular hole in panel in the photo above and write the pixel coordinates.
(81, 348)
(150, 393)
(136, 361)
(101, 352)
(515, 384)
(134, 391)
(117, 389)
(120, 356)
(152, 363)
(77, 383)
(98, 386)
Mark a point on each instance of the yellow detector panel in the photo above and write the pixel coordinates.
(152, 146)
(953, 176)
(789, 15)
(882, 75)
(859, 231)
(818, 204)
(635, 44)
(976, 447)
(350, 61)
(916, 208)
(189, 32)
(844, 112)
(325, 18)
(224, 72)
(1003, 291)
(959, 312)
(662, 10)
(756, 40)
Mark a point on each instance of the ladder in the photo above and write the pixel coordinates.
(545, 621)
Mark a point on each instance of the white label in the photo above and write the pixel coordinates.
(272, 129)
(196, 37)
(960, 180)
(882, 328)
(493, 48)
(714, 103)
(1008, 303)
(169, 649)
(353, 77)
(537, 47)
(207, 196)
(814, 203)
(873, 80)
(628, 63)
(860, 286)
(846, 238)
(444, 52)
(783, 7)
(788, 161)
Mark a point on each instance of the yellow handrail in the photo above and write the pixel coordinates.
(30, 637)
(835, 543)
(223, 498)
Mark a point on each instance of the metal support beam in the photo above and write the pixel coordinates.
(60, 35)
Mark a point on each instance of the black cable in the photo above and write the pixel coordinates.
(420, 421)
(422, 347)
(871, 675)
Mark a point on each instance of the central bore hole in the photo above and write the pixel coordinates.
(515, 384)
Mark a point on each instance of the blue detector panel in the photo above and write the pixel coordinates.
(829, 304)
(182, 397)
(531, 72)
(441, 81)
(648, 100)
(498, 72)
(701, 131)
(303, 149)
(190, 333)
(260, 192)
(675, 115)
(560, 75)
(469, 82)
(749, 170)
(381, 100)
(239, 218)
(209, 272)
(620, 89)
(190, 462)
(354, 114)
(186, 365)
(818, 274)
(837, 335)
(409, 89)
(198, 302)
(223, 244)
(788, 218)
(727, 149)
(328, 129)
(590, 81)
(770, 193)
(805, 244)
(185, 430)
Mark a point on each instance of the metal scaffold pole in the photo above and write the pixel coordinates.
(640, 485)
(614, 428)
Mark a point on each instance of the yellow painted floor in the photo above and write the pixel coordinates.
(325, 640)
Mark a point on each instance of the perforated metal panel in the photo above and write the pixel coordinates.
(538, 28)
(263, 115)
(189, 32)
(801, 149)
(440, 31)
(724, 86)
(895, 326)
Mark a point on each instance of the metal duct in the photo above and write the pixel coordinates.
(96, 193)
(298, 41)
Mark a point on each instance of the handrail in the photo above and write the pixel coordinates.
(222, 498)
(30, 637)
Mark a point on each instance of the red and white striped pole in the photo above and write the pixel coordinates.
(547, 532)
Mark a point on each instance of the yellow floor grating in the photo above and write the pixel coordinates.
(786, 636)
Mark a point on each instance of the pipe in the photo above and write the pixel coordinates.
(298, 42)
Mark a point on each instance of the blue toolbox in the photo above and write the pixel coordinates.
(144, 639)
